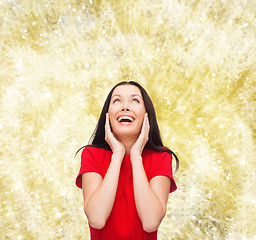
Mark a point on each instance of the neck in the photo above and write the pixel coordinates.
(128, 142)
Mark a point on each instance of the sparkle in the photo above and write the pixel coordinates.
(197, 63)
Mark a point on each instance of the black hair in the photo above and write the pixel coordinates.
(154, 141)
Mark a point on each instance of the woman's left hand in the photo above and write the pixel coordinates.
(139, 145)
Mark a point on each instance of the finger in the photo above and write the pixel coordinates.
(107, 119)
(106, 122)
(144, 127)
(148, 125)
(107, 127)
(144, 123)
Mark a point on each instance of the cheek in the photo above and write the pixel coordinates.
(111, 112)
(141, 123)
(112, 109)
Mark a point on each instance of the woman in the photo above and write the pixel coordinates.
(126, 173)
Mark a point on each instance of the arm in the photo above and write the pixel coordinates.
(150, 198)
(99, 194)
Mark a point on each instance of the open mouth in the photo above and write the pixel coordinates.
(125, 119)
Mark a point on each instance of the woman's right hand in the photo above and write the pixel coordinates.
(99, 193)
(116, 146)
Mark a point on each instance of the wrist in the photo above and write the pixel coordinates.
(134, 153)
(136, 159)
(119, 155)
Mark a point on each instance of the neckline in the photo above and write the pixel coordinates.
(128, 155)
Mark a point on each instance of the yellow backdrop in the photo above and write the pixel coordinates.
(197, 60)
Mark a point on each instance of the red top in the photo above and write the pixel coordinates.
(124, 222)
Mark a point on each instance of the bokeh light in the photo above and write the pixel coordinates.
(197, 60)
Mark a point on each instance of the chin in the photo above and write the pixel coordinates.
(126, 133)
(132, 130)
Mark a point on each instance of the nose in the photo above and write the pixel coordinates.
(125, 107)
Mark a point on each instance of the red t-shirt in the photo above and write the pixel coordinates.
(124, 222)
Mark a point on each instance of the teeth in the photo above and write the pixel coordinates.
(125, 117)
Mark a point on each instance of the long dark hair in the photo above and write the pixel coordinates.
(154, 142)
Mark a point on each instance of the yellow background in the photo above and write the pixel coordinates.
(196, 59)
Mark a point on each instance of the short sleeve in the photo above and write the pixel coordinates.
(88, 164)
(163, 166)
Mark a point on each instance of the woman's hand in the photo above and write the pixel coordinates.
(139, 145)
(116, 146)
(99, 193)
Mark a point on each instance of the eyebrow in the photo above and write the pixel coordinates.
(133, 95)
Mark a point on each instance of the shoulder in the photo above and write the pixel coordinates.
(157, 163)
(98, 154)
(154, 159)
(154, 154)
(94, 150)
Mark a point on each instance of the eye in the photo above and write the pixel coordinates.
(135, 100)
(116, 100)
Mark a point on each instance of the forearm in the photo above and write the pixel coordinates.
(149, 207)
(100, 203)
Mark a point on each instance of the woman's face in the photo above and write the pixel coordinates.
(126, 111)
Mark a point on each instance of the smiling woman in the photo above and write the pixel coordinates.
(126, 113)
(126, 172)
